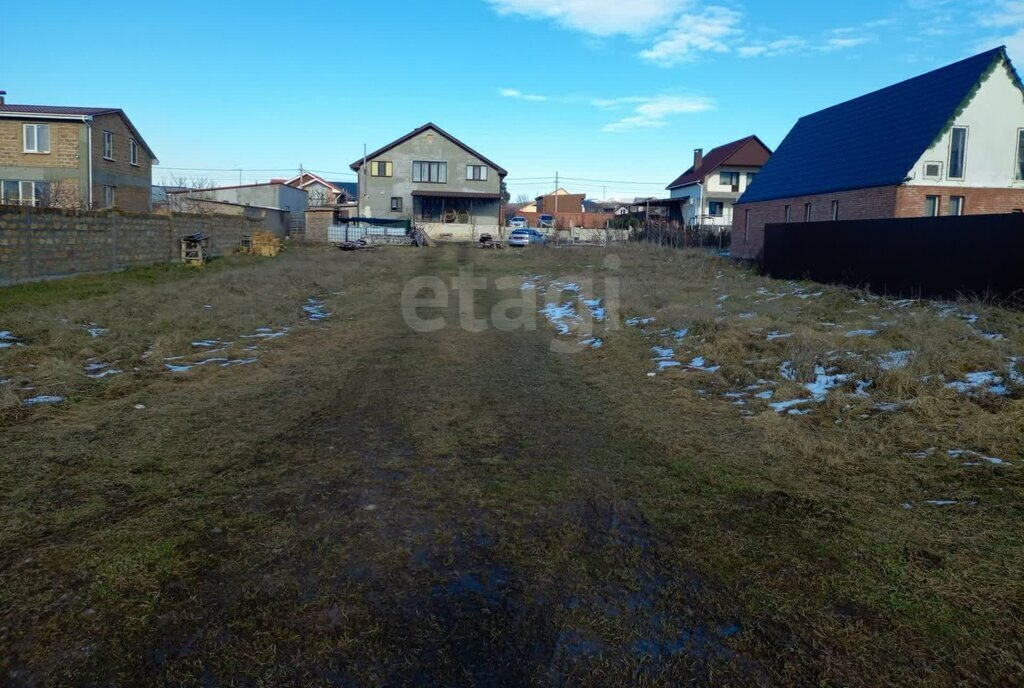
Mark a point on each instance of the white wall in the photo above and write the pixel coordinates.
(993, 118)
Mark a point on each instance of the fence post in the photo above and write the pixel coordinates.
(28, 241)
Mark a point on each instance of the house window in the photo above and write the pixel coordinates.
(37, 138)
(430, 172)
(787, 213)
(1020, 154)
(931, 206)
(750, 178)
(476, 173)
(108, 145)
(108, 197)
(716, 208)
(14, 192)
(731, 179)
(381, 168)
(957, 152)
(396, 204)
(956, 205)
(133, 152)
(835, 210)
(933, 170)
(807, 212)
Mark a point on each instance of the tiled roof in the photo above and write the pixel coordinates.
(873, 140)
(56, 110)
(747, 152)
(351, 188)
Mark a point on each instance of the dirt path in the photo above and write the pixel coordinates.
(431, 509)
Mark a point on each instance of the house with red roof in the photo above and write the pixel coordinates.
(705, 193)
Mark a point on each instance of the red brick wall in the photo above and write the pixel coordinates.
(567, 220)
(910, 200)
(860, 204)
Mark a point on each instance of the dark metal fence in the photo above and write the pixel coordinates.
(975, 255)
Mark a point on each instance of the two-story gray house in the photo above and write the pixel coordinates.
(434, 180)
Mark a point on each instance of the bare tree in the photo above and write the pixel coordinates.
(190, 195)
(522, 199)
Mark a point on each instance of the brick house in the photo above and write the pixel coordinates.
(73, 157)
(949, 142)
(705, 193)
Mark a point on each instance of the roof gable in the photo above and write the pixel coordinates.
(747, 152)
(416, 132)
(12, 110)
(873, 140)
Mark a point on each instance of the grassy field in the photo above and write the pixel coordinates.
(680, 472)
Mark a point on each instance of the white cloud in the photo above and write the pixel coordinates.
(519, 95)
(783, 46)
(842, 43)
(655, 111)
(597, 17)
(710, 30)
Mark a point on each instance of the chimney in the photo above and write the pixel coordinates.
(698, 158)
(3, 95)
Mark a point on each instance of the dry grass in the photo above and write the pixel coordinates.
(372, 505)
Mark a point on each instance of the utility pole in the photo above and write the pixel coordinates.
(556, 196)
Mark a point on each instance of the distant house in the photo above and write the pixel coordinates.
(53, 155)
(706, 192)
(559, 201)
(431, 178)
(949, 142)
(280, 206)
(322, 192)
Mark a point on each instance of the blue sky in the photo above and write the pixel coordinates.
(610, 90)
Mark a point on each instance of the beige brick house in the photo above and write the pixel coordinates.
(73, 157)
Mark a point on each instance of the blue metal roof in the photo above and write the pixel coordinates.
(352, 188)
(873, 140)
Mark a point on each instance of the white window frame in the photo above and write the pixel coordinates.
(429, 166)
(962, 201)
(938, 205)
(113, 196)
(1018, 170)
(476, 173)
(133, 152)
(34, 128)
(949, 156)
(808, 211)
(108, 145)
(835, 210)
(936, 177)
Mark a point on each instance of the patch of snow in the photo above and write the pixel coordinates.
(979, 458)
(766, 395)
(788, 406)
(208, 344)
(862, 333)
(94, 330)
(597, 311)
(174, 368)
(747, 316)
(1016, 376)
(639, 322)
(561, 316)
(923, 454)
(316, 310)
(663, 365)
(993, 336)
(862, 388)
(824, 382)
(772, 336)
(592, 342)
(662, 352)
(980, 382)
(787, 371)
(895, 360)
(681, 334)
(267, 333)
(942, 502)
(44, 399)
(700, 364)
(8, 340)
